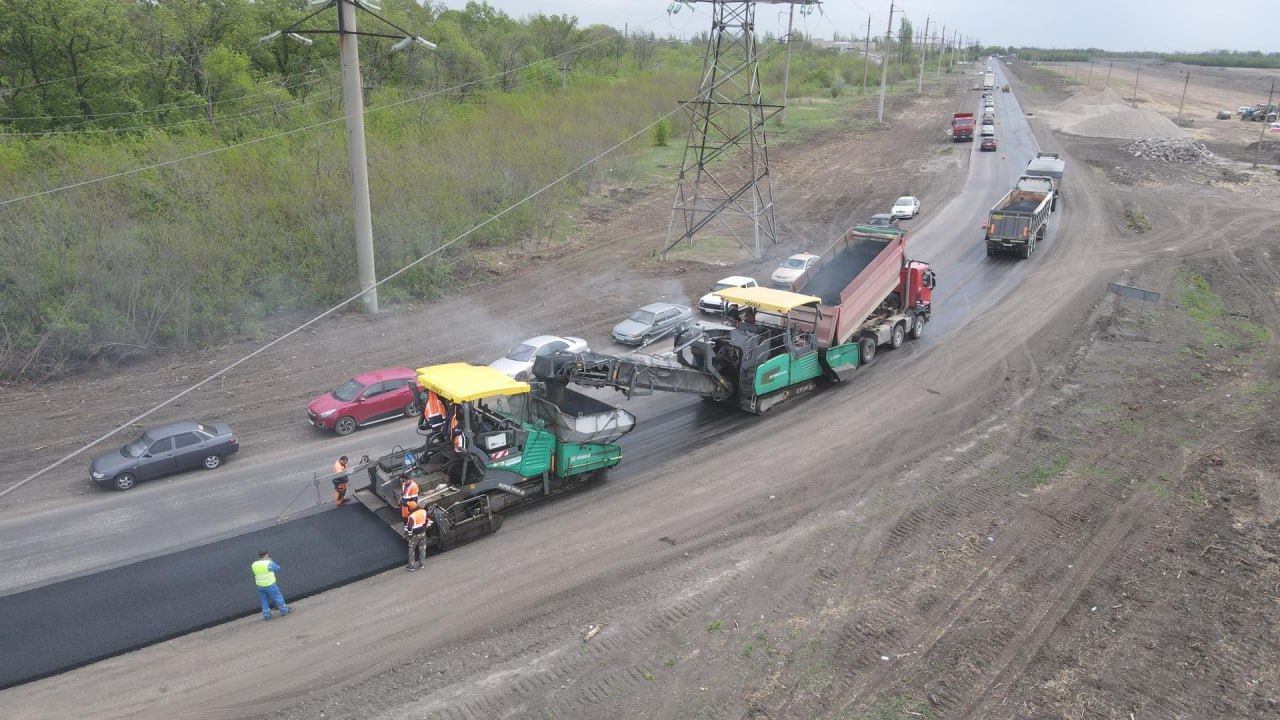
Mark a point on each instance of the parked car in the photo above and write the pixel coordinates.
(1224, 114)
(366, 399)
(1274, 127)
(713, 304)
(651, 322)
(518, 363)
(988, 144)
(164, 450)
(792, 268)
(882, 220)
(905, 207)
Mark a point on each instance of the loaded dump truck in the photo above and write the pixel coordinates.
(862, 293)
(1018, 220)
(507, 442)
(1050, 165)
(962, 127)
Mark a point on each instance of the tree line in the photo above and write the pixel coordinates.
(193, 253)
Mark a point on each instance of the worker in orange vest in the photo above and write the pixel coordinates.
(408, 497)
(415, 533)
(433, 412)
(340, 481)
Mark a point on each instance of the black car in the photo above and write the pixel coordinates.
(883, 220)
(165, 450)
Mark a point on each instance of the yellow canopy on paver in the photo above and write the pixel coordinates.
(779, 301)
(461, 382)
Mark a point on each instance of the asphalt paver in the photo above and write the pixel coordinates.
(52, 629)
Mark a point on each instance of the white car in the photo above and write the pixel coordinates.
(792, 268)
(519, 362)
(905, 207)
(713, 304)
(988, 131)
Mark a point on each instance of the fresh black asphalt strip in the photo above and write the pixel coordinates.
(55, 628)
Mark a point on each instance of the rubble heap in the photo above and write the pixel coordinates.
(1170, 150)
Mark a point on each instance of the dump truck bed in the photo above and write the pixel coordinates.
(852, 277)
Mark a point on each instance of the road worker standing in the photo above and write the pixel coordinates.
(264, 577)
(340, 481)
(415, 530)
(408, 497)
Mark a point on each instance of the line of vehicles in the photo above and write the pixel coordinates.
(517, 442)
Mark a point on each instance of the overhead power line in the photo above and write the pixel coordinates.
(331, 310)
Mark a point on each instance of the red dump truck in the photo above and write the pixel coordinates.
(862, 293)
(962, 127)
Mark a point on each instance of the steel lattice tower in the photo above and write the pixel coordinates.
(726, 157)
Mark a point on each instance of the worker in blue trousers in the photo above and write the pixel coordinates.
(264, 576)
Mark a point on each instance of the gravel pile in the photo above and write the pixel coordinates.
(1127, 124)
(1170, 150)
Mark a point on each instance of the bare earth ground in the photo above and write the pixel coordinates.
(1069, 509)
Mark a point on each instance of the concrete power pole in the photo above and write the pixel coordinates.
(1185, 81)
(1135, 85)
(942, 51)
(924, 50)
(786, 73)
(353, 106)
(1262, 134)
(884, 64)
(866, 57)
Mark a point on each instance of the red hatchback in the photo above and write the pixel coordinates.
(366, 399)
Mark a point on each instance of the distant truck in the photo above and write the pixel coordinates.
(1019, 219)
(1052, 166)
(988, 81)
(962, 127)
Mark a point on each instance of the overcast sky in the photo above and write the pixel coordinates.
(1165, 26)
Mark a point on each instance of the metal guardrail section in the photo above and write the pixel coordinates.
(1132, 292)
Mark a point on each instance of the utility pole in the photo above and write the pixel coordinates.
(353, 108)
(1109, 66)
(1089, 82)
(786, 73)
(924, 50)
(1257, 153)
(942, 51)
(1135, 85)
(1185, 80)
(884, 63)
(866, 57)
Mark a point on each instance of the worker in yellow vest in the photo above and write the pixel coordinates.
(264, 576)
(415, 533)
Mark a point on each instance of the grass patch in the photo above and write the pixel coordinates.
(1044, 473)
(894, 707)
(718, 250)
(1207, 308)
(1136, 219)
(715, 626)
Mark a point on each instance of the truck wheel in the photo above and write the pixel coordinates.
(899, 336)
(991, 252)
(345, 425)
(1040, 232)
(917, 330)
(866, 350)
